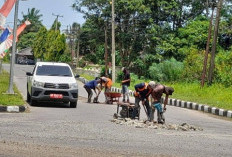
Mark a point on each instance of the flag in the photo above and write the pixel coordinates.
(4, 53)
(5, 10)
(4, 35)
(8, 42)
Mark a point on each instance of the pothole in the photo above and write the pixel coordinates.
(153, 125)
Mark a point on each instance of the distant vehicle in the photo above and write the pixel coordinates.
(26, 61)
(30, 62)
(52, 82)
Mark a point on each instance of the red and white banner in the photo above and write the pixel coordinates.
(5, 10)
(8, 42)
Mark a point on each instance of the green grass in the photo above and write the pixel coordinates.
(88, 77)
(215, 95)
(6, 99)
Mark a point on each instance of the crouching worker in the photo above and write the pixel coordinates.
(107, 83)
(156, 103)
(142, 92)
(92, 85)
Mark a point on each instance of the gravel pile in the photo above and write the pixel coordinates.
(153, 125)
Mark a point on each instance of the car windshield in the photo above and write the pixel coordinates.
(53, 70)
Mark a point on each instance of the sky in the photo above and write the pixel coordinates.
(47, 8)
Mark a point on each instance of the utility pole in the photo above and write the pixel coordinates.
(57, 16)
(113, 43)
(214, 46)
(12, 60)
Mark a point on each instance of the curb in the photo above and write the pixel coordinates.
(200, 107)
(180, 103)
(15, 109)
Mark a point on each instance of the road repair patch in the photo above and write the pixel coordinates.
(152, 125)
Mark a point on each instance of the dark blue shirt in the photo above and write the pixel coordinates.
(91, 84)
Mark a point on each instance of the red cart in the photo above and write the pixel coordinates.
(112, 97)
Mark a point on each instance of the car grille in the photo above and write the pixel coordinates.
(56, 92)
(56, 86)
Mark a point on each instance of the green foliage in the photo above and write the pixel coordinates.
(27, 37)
(169, 70)
(224, 68)
(193, 65)
(6, 99)
(50, 46)
(25, 40)
(216, 95)
(38, 46)
(195, 33)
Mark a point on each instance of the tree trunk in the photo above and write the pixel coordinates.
(207, 49)
(106, 52)
(214, 46)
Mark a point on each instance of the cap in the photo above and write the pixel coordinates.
(152, 84)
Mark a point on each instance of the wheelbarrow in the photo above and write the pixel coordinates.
(112, 97)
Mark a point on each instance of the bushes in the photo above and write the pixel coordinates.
(223, 69)
(169, 70)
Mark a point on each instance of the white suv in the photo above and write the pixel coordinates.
(52, 82)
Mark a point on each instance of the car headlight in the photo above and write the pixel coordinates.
(38, 84)
(73, 86)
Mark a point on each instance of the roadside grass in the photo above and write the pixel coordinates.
(6, 99)
(216, 95)
(88, 77)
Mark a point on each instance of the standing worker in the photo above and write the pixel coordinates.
(125, 84)
(107, 83)
(156, 104)
(142, 92)
(92, 85)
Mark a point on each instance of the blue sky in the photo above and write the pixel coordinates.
(47, 8)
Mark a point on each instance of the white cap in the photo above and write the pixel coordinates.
(152, 84)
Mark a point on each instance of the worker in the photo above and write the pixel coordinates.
(142, 92)
(107, 84)
(93, 85)
(156, 95)
(125, 84)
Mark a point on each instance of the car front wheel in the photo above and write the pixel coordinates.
(73, 104)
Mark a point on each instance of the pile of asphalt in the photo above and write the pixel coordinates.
(153, 125)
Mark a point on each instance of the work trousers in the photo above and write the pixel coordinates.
(90, 93)
(160, 116)
(125, 93)
(146, 104)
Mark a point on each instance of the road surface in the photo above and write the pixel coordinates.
(57, 130)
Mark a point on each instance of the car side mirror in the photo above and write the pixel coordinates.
(29, 74)
(77, 76)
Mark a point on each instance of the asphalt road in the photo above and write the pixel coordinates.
(57, 130)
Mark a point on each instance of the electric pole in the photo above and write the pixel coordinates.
(57, 16)
(12, 60)
(113, 43)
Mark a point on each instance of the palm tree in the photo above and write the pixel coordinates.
(34, 17)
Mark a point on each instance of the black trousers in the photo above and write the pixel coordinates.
(90, 93)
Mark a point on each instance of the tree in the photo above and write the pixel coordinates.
(34, 17)
(25, 39)
(212, 59)
(38, 46)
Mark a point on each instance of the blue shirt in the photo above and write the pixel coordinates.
(91, 84)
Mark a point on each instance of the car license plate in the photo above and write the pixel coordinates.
(56, 96)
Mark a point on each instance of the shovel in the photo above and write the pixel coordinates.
(145, 110)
